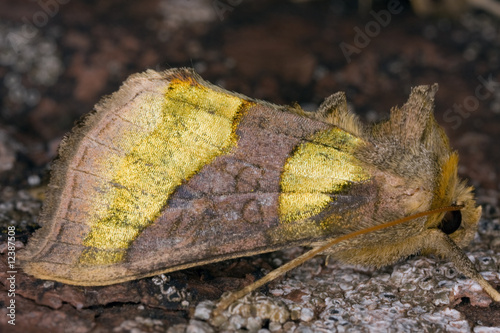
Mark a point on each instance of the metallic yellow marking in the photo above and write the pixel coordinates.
(195, 125)
(304, 204)
(318, 168)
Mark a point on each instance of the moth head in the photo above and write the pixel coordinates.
(428, 156)
(460, 225)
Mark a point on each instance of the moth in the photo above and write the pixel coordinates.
(172, 172)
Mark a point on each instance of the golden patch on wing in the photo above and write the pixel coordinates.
(192, 126)
(320, 167)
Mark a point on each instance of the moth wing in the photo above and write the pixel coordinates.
(246, 202)
(172, 172)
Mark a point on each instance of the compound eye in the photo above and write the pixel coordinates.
(451, 222)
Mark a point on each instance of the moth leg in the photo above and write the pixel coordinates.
(224, 303)
(327, 259)
(439, 243)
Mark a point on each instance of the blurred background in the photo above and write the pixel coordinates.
(59, 57)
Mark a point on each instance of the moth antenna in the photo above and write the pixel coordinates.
(224, 303)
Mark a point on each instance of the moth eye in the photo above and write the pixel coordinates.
(451, 222)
